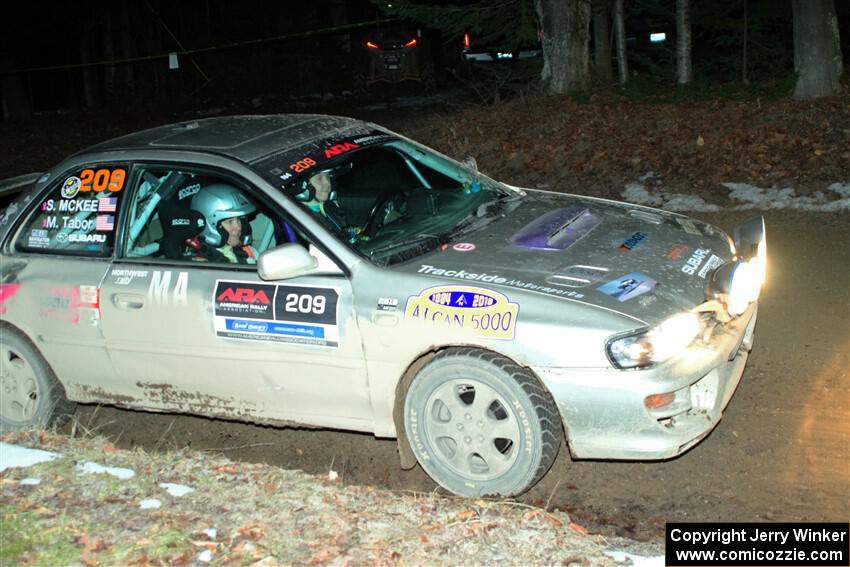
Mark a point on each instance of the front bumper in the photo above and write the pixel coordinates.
(604, 413)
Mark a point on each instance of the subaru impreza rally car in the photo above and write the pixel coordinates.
(382, 287)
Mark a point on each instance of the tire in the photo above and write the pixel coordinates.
(31, 396)
(481, 425)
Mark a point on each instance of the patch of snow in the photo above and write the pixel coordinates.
(842, 189)
(149, 504)
(30, 481)
(93, 468)
(637, 193)
(176, 489)
(211, 533)
(742, 197)
(13, 456)
(636, 560)
(205, 556)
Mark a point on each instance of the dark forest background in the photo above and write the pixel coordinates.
(115, 53)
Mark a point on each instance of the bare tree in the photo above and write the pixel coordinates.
(817, 49)
(684, 69)
(566, 32)
(602, 40)
(620, 34)
(566, 58)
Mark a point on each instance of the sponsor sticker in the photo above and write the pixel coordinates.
(463, 247)
(281, 313)
(676, 251)
(485, 312)
(71, 187)
(632, 242)
(124, 277)
(89, 294)
(713, 262)
(387, 304)
(497, 279)
(38, 239)
(695, 260)
(629, 286)
(83, 237)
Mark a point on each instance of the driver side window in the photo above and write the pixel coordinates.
(198, 216)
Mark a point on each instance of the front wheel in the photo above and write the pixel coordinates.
(481, 425)
(30, 395)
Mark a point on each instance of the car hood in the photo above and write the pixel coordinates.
(641, 262)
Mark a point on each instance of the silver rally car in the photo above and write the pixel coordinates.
(323, 271)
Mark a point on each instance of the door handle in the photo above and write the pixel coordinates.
(128, 300)
(385, 319)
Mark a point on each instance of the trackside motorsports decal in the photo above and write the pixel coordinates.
(486, 312)
(279, 313)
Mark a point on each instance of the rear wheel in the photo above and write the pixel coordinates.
(30, 395)
(481, 425)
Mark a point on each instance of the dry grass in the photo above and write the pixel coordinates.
(259, 513)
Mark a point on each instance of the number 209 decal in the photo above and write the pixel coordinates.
(94, 180)
(280, 313)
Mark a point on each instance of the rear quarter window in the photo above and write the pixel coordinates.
(78, 215)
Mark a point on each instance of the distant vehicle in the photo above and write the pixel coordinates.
(477, 51)
(324, 271)
(393, 55)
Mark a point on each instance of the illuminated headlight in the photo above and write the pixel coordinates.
(668, 340)
(741, 282)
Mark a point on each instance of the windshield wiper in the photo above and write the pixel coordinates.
(483, 215)
(409, 248)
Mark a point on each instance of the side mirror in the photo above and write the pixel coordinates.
(284, 262)
(470, 164)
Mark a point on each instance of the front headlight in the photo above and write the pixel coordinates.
(739, 284)
(666, 341)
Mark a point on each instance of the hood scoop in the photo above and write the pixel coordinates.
(556, 230)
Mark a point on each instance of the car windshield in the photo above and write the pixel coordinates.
(396, 200)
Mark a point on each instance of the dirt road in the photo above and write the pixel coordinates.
(781, 452)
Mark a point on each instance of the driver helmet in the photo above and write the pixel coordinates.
(308, 192)
(218, 202)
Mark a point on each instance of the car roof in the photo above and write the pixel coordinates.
(246, 138)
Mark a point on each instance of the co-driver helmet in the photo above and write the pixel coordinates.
(218, 202)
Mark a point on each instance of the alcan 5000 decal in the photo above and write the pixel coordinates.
(282, 313)
(485, 312)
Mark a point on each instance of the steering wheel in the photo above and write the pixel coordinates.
(387, 202)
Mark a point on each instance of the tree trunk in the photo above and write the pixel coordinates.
(566, 32)
(684, 70)
(602, 41)
(745, 76)
(620, 34)
(817, 49)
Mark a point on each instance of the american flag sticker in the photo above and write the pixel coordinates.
(107, 204)
(104, 223)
